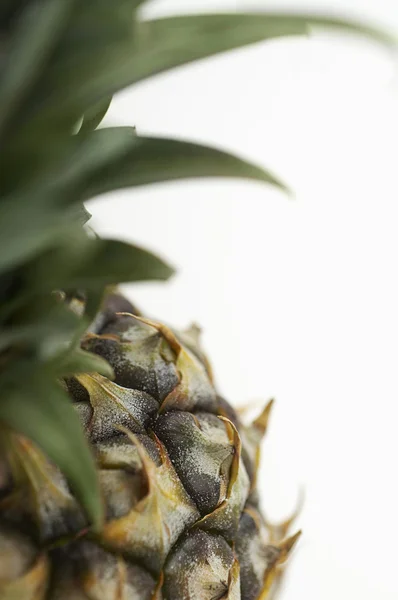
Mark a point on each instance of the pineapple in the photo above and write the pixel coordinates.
(177, 472)
(123, 473)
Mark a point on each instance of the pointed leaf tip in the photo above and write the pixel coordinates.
(278, 531)
(108, 262)
(94, 116)
(287, 545)
(149, 160)
(377, 34)
(261, 422)
(81, 361)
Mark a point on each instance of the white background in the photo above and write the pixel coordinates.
(297, 298)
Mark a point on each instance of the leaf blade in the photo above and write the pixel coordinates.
(44, 414)
(95, 115)
(159, 45)
(81, 361)
(106, 263)
(37, 32)
(153, 160)
(57, 319)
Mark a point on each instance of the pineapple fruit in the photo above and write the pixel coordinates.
(123, 473)
(177, 471)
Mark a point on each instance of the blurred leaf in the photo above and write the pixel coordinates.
(98, 162)
(31, 222)
(59, 321)
(162, 44)
(9, 12)
(87, 155)
(115, 157)
(376, 34)
(37, 31)
(84, 215)
(106, 262)
(152, 160)
(40, 410)
(37, 213)
(58, 179)
(80, 361)
(93, 302)
(25, 230)
(118, 262)
(99, 35)
(93, 117)
(150, 48)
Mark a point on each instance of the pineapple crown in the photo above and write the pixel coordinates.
(60, 63)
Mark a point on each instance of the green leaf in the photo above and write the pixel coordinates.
(81, 155)
(98, 162)
(97, 30)
(26, 229)
(162, 44)
(94, 301)
(94, 116)
(87, 155)
(376, 34)
(84, 215)
(118, 262)
(105, 262)
(152, 160)
(37, 213)
(115, 157)
(80, 361)
(40, 410)
(31, 221)
(59, 322)
(37, 32)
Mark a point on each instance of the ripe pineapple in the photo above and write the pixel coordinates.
(123, 473)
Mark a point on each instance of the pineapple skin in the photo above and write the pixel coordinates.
(177, 470)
